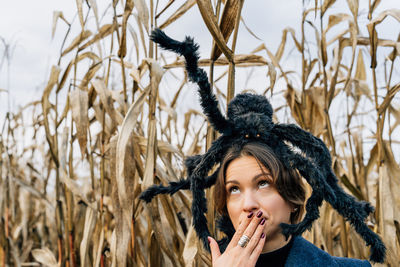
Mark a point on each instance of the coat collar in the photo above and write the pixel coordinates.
(303, 253)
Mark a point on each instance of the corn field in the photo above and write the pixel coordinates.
(118, 115)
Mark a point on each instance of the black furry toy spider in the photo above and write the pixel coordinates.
(249, 119)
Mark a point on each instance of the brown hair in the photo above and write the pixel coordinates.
(287, 182)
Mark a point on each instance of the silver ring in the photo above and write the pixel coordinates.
(243, 241)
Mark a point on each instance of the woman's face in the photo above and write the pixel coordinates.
(248, 189)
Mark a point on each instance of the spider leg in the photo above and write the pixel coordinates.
(352, 210)
(191, 162)
(189, 50)
(198, 183)
(356, 212)
(312, 146)
(319, 186)
(317, 151)
(173, 187)
(225, 225)
(378, 249)
(347, 203)
(312, 214)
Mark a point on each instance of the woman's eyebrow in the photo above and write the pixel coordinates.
(253, 179)
(259, 175)
(231, 182)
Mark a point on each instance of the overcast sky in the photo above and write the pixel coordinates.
(26, 26)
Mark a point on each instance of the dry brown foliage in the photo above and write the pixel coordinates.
(102, 133)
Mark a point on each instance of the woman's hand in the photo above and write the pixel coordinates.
(235, 255)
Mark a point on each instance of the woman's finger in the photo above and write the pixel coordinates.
(254, 240)
(215, 252)
(253, 225)
(257, 250)
(240, 230)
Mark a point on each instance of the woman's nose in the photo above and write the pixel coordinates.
(250, 202)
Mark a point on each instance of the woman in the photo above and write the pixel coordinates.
(255, 222)
(257, 193)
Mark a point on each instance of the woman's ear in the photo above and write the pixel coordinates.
(293, 213)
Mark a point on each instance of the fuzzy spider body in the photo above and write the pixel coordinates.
(249, 119)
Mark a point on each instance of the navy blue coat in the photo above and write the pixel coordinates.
(303, 253)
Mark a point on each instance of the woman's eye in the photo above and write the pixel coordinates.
(263, 184)
(234, 190)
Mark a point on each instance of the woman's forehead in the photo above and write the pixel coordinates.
(245, 167)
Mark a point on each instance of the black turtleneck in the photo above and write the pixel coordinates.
(276, 258)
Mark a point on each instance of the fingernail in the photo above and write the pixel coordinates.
(259, 214)
(262, 235)
(209, 241)
(250, 215)
(262, 221)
